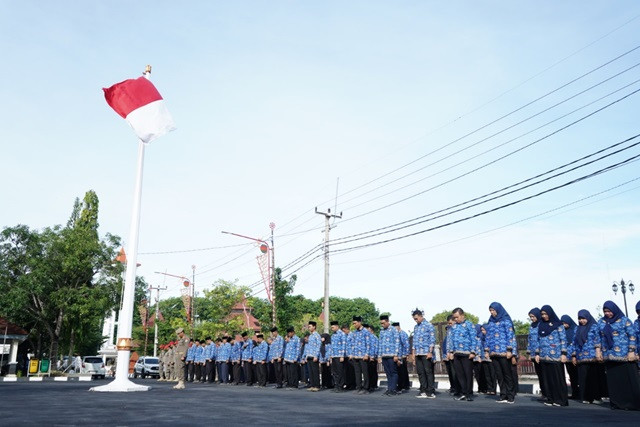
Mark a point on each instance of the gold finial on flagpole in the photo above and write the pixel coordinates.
(147, 69)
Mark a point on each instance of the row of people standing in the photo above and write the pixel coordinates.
(599, 356)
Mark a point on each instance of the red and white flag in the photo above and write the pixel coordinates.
(141, 105)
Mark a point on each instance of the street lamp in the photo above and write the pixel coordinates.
(265, 249)
(623, 287)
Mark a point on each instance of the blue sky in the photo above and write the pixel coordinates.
(274, 101)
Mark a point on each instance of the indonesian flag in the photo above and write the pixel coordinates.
(141, 105)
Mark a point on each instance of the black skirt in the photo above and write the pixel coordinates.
(555, 383)
(624, 385)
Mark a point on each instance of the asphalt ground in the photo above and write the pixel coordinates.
(72, 404)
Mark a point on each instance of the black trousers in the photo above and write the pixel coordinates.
(624, 385)
(314, 372)
(261, 370)
(555, 384)
(489, 376)
(277, 367)
(237, 373)
(337, 370)
(191, 370)
(426, 376)
(349, 376)
(293, 377)
(592, 382)
(326, 375)
(210, 371)
(248, 372)
(199, 373)
(504, 374)
(543, 388)
(361, 371)
(403, 376)
(463, 366)
(373, 374)
(478, 373)
(454, 387)
(573, 378)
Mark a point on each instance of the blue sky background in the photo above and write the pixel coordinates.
(274, 101)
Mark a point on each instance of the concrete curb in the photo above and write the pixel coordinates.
(44, 379)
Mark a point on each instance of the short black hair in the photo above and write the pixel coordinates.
(395, 324)
(384, 317)
(450, 317)
(312, 323)
(457, 310)
(290, 329)
(274, 329)
(259, 336)
(345, 326)
(334, 322)
(208, 338)
(244, 334)
(417, 311)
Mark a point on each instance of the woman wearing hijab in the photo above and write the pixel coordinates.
(534, 316)
(619, 355)
(325, 360)
(592, 383)
(636, 325)
(551, 353)
(570, 328)
(499, 346)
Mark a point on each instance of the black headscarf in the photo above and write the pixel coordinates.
(546, 328)
(583, 331)
(536, 312)
(572, 327)
(326, 339)
(607, 331)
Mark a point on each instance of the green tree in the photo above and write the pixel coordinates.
(57, 280)
(520, 327)
(442, 317)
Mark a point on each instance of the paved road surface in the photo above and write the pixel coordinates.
(70, 403)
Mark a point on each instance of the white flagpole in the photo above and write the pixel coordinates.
(125, 319)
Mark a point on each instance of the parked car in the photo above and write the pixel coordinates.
(93, 365)
(146, 366)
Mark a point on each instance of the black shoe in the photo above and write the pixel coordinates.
(469, 399)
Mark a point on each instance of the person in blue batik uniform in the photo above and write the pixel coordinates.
(325, 362)
(259, 358)
(372, 363)
(291, 358)
(592, 380)
(488, 370)
(454, 387)
(338, 353)
(275, 355)
(551, 353)
(462, 349)
(199, 360)
(359, 355)
(190, 367)
(235, 358)
(570, 328)
(224, 354)
(636, 325)
(247, 349)
(311, 357)
(210, 360)
(405, 351)
(389, 354)
(500, 343)
(424, 341)
(534, 316)
(619, 355)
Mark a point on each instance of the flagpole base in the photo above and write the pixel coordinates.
(120, 385)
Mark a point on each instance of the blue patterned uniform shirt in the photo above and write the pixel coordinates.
(587, 351)
(500, 338)
(463, 339)
(405, 350)
(424, 338)
(247, 349)
(373, 346)
(224, 352)
(312, 349)
(553, 346)
(276, 348)
(533, 340)
(199, 356)
(236, 352)
(259, 352)
(292, 349)
(351, 344)
(191, 353)
(338, 344)
(624, 340)
(389, 342)
(361, 343)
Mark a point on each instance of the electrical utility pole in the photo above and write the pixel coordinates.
(274, 316)
(155, 323)
(327, 216)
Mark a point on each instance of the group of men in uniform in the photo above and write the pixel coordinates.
(345, 360)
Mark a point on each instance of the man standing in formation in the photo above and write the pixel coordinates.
(338, 352)
(358, 352)
(403, 371)
(291, 353)
(424, 341)
(312, 353)
(276, 350)
(388, 354)
(462, 349)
